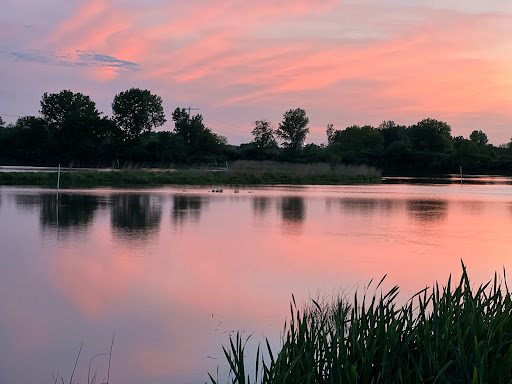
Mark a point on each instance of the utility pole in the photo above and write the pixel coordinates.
(193, 109)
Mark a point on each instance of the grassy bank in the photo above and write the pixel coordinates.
(453, 334)
(241, 173)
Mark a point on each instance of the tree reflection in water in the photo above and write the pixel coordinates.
(187, 207)
(135, 216)
(428, 210)
(260, 205)
(293, 210)
(72, 211)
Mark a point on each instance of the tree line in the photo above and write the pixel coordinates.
(70, 130)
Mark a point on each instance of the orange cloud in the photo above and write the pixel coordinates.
(367, 58)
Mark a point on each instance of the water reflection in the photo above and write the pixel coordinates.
(174, 309)
(260, 205)
(135, 216)
(362, 206)
(186, 208)
(71, 211)
(293, 211)
(427, 210)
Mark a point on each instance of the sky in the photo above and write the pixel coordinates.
(344, 62)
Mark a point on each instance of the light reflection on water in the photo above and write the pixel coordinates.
(175, 271)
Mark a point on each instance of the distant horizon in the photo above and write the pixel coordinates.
(344, 62)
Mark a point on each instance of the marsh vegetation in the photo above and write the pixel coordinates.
(457, 333)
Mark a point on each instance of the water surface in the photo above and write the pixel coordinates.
(175, 271)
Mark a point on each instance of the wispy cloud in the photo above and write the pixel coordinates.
(404, 59)
(78, 58)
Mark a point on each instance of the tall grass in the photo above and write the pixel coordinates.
(305, 170)
(452, 334)
(242, 173)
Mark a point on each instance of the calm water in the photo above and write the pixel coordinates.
(173, 272)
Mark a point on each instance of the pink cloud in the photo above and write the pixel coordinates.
(410, 60)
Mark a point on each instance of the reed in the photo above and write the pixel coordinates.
(242, 173)
(450, 334)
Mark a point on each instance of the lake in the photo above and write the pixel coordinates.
(173, 272)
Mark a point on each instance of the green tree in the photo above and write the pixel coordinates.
(60, 109)
(73, 122)
(357, 144)
(330, 134)
(393, 132)
(189, 128)
(479, 138)
(293, 129)
(136, 111)
(33, 131)
(263, 134)
(360, 139)
(430, 135)
(199, 140)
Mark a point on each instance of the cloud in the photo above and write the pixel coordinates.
(108, 61)
(78, 58)
(414, 60)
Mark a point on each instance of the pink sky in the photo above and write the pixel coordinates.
(344, 62)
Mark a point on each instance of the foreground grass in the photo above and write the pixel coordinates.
(246, 173)
(450, 335)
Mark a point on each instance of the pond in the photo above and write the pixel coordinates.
(173, 272)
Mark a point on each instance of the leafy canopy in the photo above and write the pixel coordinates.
(60, 109)
(136, 111)
(263, 134)
(294, 128)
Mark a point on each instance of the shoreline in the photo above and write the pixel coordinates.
(128, 178)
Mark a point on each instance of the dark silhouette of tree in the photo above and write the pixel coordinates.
(199, 140)
(357, 145)
(293, 129)
(330, 134)
(361, 139)
(392, 132)
(264, 142)
(136, 111)
(32, 135)
(431, 135)
(2, 122)
(263, 134)
(59, 109)
(189, 128)
(73, 122)
(479, 138)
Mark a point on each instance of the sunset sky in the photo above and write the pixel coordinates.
(344, 62)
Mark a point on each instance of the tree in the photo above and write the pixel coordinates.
(330, 134)
(431, 135)
(263, 135)
(357, 144)
(264, 144)
(199, 140)
(360, 139)
(60, 109)
(392, 132)
(2, 122)
(293, 129)
(136, 111)
(73, 122)
(479, 138)
(190, 129)
(33, 131)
